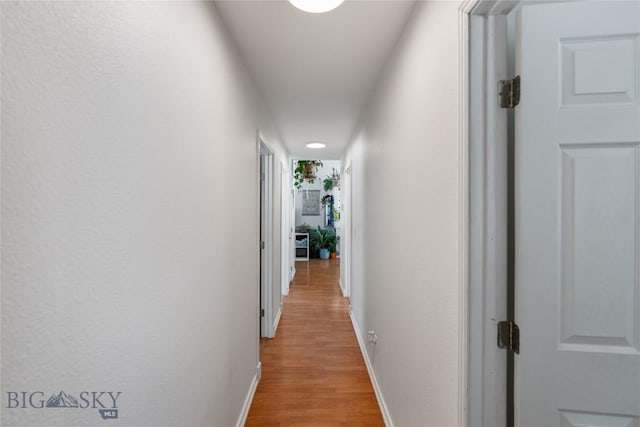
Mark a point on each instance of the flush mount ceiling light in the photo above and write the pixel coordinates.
(316, 145)
(316, 6)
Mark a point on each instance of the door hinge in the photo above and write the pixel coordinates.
(509, 336)
(510, 92)
(262, 312)
(262, 244)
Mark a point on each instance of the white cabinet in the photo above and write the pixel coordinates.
(302, 246)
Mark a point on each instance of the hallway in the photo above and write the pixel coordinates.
(132, 134)
(313, 372)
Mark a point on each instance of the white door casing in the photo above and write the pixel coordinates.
(265, 153)
(285, 187)
(345, 241)
(488, 213)
(578, 214)
(292, 222)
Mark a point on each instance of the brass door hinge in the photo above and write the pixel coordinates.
(509, 336)
(510, 92)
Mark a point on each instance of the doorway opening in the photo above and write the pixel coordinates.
(317, 209)
(265, 153)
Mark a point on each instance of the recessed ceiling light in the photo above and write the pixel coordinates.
(316, 6)
(316, 145)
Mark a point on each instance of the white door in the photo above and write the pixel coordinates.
(578, 215)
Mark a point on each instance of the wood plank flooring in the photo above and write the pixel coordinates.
(313, 373)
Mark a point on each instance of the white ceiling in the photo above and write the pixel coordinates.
(315, 70)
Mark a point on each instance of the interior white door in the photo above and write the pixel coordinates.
(578, 215)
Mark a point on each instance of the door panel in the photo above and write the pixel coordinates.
(597, 248)
(578, 215)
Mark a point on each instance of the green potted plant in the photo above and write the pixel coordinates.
(334, 247)
(305, 171)
(327, 200)
(328, 183)
(332, 181)
(325, 241)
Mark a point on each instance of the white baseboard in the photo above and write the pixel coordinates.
(344, 292)
(247, 401)
(376, 387)
(277, 320)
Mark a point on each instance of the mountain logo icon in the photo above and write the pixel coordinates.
(62, 400)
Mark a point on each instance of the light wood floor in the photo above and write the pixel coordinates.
(313, 373)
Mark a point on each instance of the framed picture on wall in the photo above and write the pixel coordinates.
(311, 202)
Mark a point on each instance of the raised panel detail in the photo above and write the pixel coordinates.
(592, 419)
(599, 289)
(600, 71)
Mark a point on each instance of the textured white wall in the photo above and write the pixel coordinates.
(129, 202)
(406, 199)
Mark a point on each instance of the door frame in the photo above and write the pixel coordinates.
(346, 238)
(286, 229)
(265, 226)
(484, 49)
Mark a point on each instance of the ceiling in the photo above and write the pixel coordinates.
(315, 70)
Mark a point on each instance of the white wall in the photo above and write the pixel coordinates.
(406, 221)
(129, 212)
(323, 172)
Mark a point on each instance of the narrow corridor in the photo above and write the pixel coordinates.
(313, 373)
